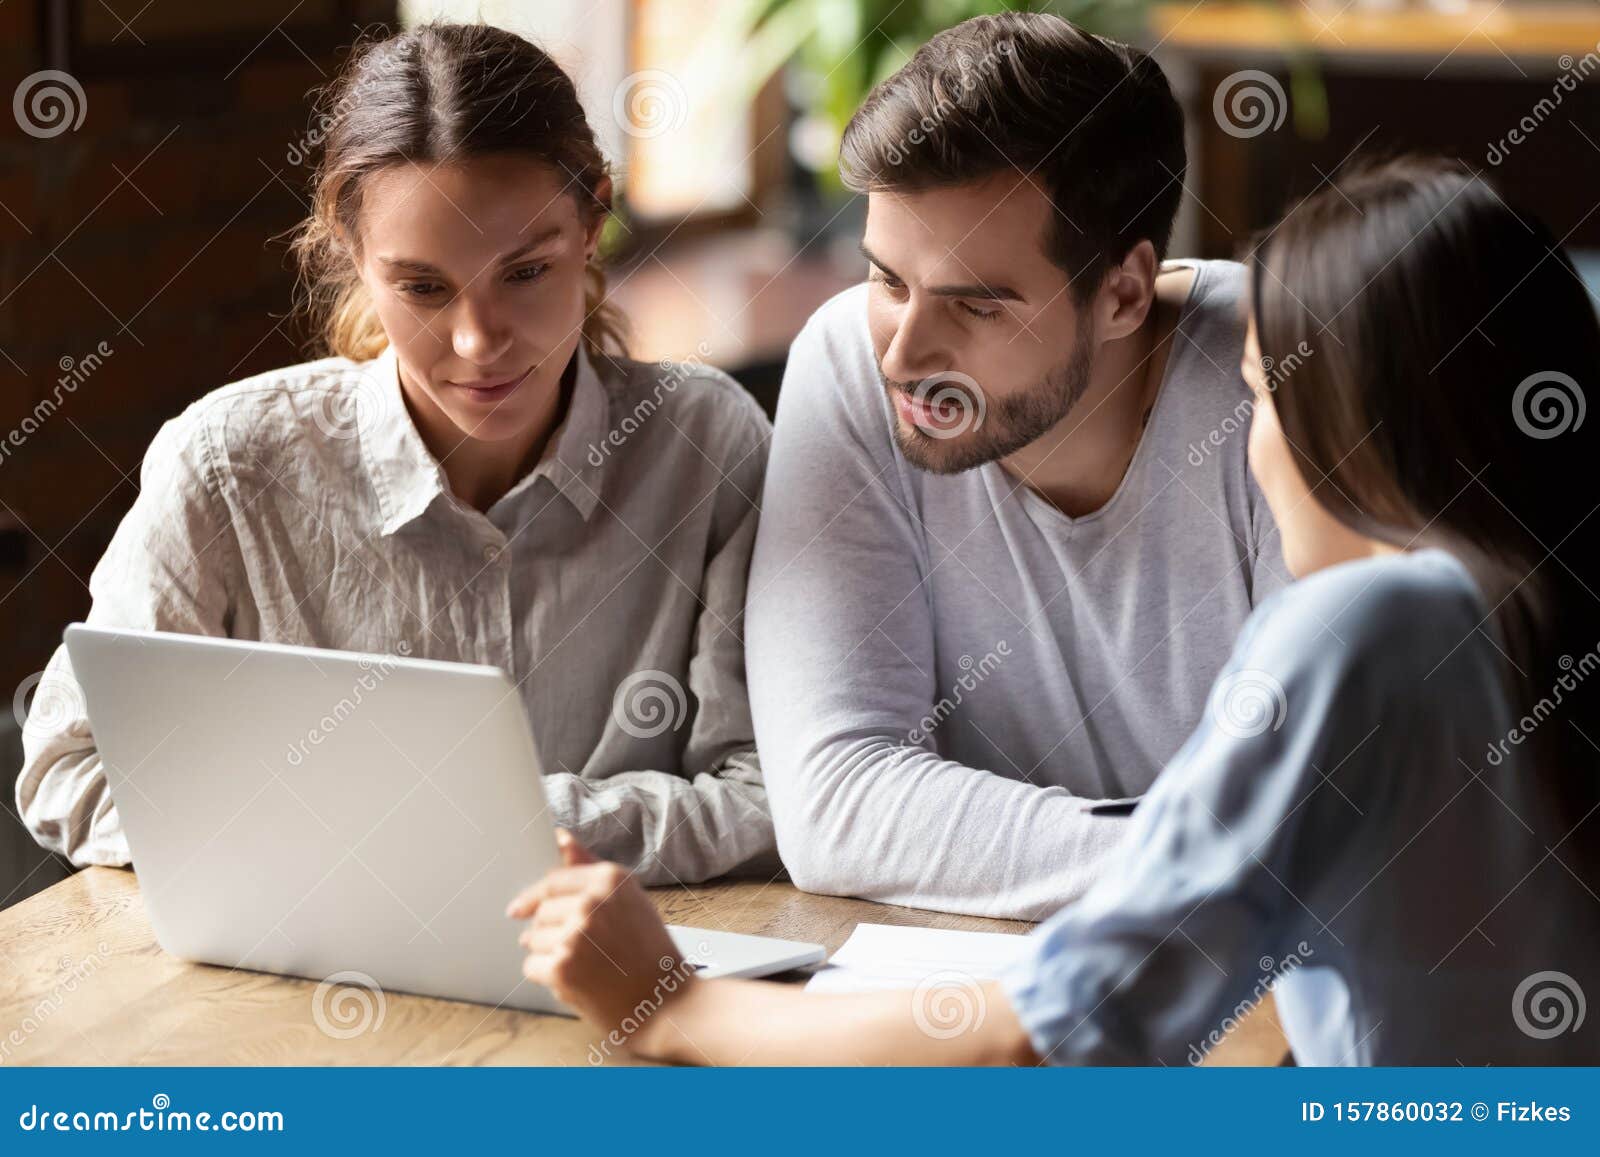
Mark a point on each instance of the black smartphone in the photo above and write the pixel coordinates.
(1116, 807)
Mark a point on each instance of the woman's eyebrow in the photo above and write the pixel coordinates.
(532, 243)
(417, 266)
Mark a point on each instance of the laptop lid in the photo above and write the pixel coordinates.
(318, 813)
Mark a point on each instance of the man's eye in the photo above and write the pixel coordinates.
(979, 314)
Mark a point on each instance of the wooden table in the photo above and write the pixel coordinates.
(83, 982)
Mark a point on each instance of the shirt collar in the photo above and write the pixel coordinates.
(573, 457)
(407, 478)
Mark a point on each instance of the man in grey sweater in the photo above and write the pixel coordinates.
(1008, 532)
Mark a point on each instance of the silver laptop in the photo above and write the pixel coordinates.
(331, 814)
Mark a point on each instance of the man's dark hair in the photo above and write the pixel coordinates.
(1092, 121)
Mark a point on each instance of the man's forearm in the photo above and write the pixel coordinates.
(902, 826)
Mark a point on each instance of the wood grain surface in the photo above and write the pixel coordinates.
(83, 982)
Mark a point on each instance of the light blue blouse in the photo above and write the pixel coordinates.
(1356, 825)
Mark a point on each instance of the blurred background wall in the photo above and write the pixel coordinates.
(156, 152)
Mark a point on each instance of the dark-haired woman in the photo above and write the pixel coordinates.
(476, 473)
(1390, 808)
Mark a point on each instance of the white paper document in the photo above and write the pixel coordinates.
(886, 956)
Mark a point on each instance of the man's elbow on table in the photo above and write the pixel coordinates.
(815, 864)
(820, 842)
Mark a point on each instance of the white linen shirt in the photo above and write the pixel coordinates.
(301, 506)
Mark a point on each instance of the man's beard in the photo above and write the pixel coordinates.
(987, 429)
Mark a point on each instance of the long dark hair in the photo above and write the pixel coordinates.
(439, 92)
(1452, 349)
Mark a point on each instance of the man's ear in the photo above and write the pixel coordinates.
(1128, 290)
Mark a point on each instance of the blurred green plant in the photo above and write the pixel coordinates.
(838, 50)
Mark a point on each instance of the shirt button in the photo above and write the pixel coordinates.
(491, 553)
